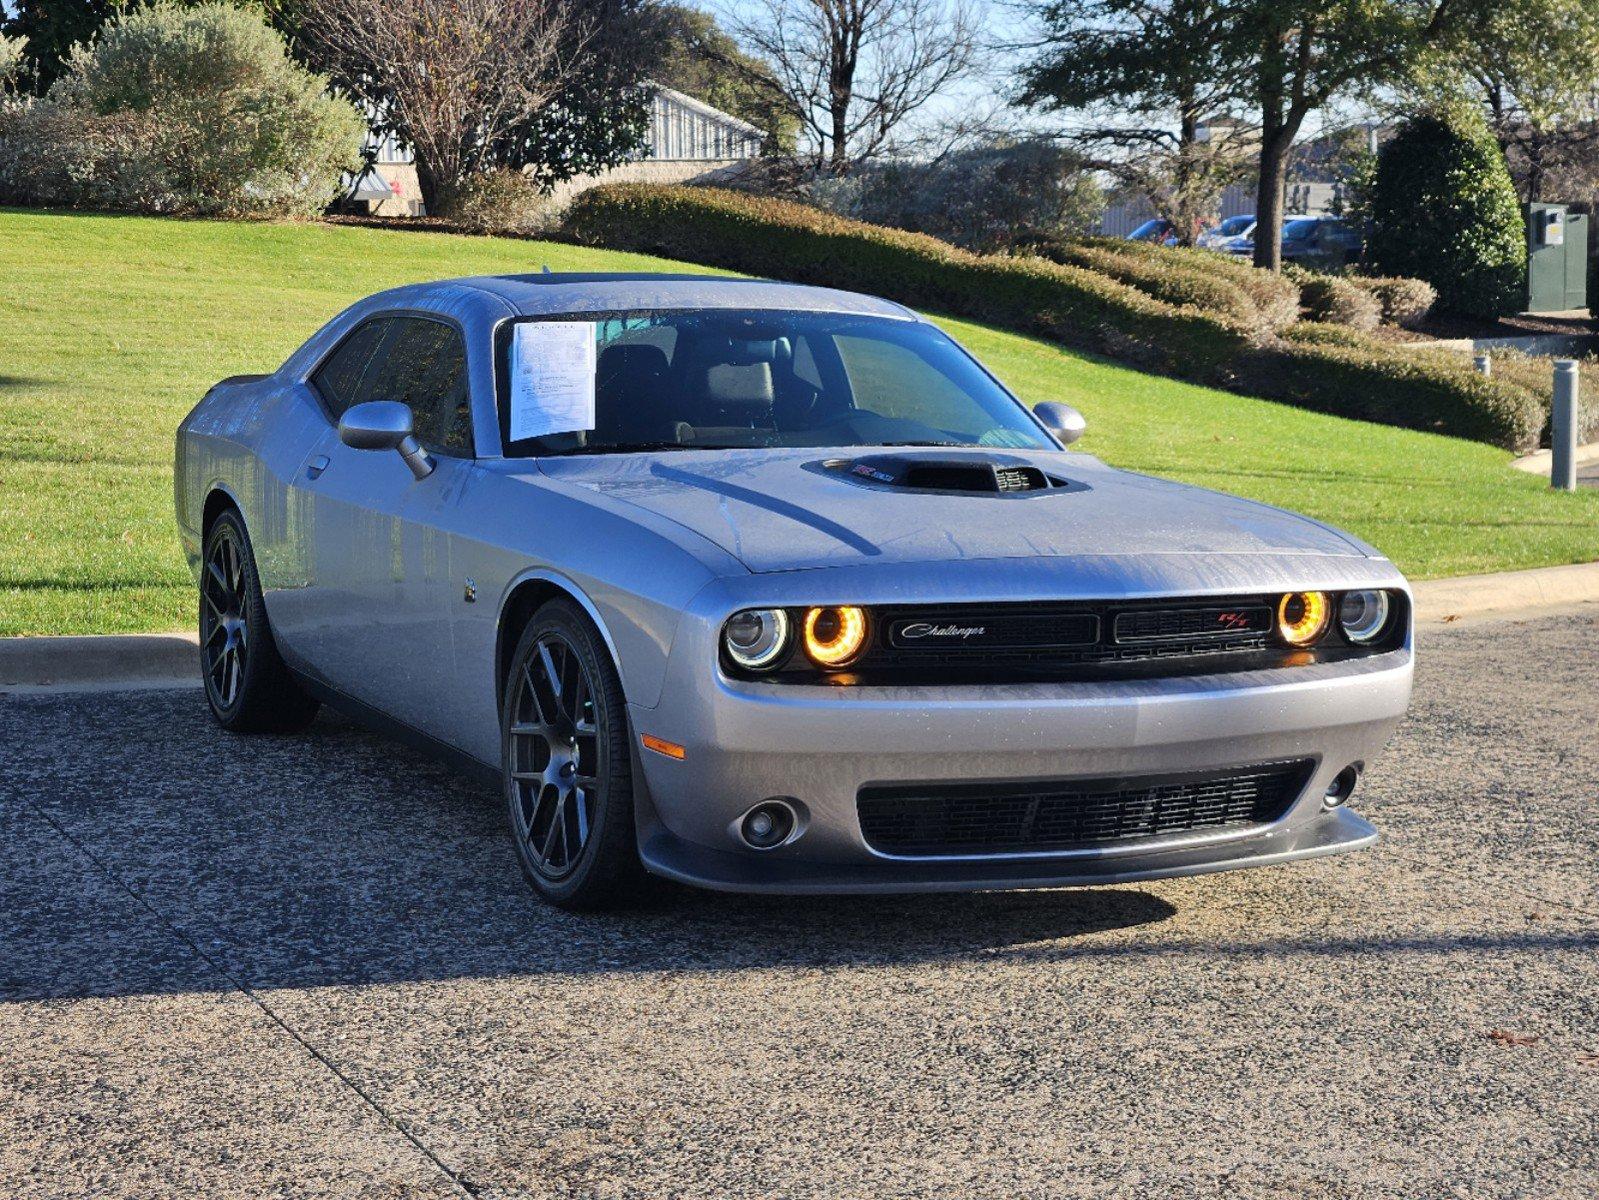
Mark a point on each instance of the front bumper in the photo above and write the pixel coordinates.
(820, 745)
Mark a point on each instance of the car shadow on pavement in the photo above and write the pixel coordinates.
(144, 851)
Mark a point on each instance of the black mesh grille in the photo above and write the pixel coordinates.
(1013, 818)
(1051, 635)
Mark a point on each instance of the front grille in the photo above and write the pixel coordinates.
(1017, 818)
(1047, 636)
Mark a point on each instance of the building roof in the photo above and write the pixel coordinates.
(705, 110)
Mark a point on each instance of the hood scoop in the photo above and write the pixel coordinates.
(916, 473)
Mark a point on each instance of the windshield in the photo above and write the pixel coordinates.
(721, 378)
(1300, 229)
(1233, 226)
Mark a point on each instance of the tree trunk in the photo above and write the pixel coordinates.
(1275, 144)
(429, 184)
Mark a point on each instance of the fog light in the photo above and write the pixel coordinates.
(1342, 786)
(834, 636)
(1302, 617)
(767, 825)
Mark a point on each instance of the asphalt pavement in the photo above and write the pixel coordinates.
(308, 966)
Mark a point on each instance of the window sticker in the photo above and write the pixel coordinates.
(552, 378)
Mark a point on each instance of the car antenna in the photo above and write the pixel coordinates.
(545, 269)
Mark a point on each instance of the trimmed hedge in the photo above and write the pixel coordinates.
(1334, 369)
(1334, 300)
(1167, 279)
(1274, 294)
(1404, 301)
(1535, 374)
(780, 238)
(1344, 373)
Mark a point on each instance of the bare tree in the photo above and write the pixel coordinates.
(454, 78)
(853, 70)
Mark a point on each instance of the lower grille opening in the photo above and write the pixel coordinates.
(1053, 815)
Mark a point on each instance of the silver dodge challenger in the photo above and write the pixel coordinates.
(771, 588)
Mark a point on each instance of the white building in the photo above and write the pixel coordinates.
(688, 141)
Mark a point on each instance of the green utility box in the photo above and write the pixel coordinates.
(1557, 258)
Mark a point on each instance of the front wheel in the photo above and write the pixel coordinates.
(567, 764)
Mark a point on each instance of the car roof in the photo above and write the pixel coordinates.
(554, 292)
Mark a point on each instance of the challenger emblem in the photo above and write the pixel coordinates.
(1232, 620)
(925, 630)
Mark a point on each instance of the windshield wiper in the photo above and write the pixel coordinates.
(920, 443)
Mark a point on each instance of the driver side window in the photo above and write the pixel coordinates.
(414, 360)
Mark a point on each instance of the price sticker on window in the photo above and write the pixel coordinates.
(552, 378)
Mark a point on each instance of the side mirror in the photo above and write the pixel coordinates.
(1064, 421)
(385, 425)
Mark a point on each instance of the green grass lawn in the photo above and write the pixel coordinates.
(112, 327)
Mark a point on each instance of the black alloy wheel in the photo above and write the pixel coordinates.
(567, 763)
(247, 684)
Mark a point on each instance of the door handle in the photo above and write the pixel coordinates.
(316, 466)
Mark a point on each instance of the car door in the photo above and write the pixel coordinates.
(375, 621)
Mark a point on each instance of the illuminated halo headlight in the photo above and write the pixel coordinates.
(834, 636)
(1302, 617)
(756, 638)
(1363, 616)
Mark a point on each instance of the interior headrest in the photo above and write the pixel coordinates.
(619, 363)
(745, 385)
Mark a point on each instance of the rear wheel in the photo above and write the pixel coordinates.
(567, 764)
(247, 684)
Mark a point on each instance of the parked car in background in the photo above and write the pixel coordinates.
(772, 588)
(1321, 242)
(1156, 229)
(1234, 232)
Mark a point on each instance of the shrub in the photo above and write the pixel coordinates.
(984, 199)
(1536, 375)
(1168, 279)
(182, 110)
(1275, 295)
(499, 201)
(1444, 210)
(765, 236)
(1334, 300)
(1370, 381)
(1404, 301)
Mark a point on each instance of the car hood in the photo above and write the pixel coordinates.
(777, 510)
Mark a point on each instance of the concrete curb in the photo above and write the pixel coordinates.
(1541, 462)
(69, 664)
(163, 660)
(1508, 592)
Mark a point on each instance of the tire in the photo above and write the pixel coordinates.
(246, 683)
(566, 764)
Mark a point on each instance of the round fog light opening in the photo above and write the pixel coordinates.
(1363, 616)
(767, 825)
(1342, 786)
(1302, 617)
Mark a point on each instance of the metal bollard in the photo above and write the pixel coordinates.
(1484, 364)
(1563, 426)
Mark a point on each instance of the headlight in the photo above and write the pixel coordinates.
(1302, 617)
(834, 636)
(1363, 616)
(756, 638)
